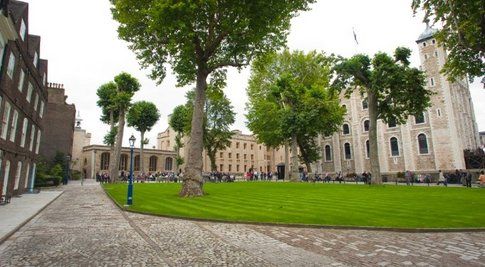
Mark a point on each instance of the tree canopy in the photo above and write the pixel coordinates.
(142, 116)
(462, 33)
(393, 88)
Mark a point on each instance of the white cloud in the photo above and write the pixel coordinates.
(80, 41)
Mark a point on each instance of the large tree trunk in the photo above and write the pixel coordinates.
(295, 174)
(192, 180)
(142, 144)
(178, 142)
(373, 149)
(111, 128)
(287, 164)
(115, 163)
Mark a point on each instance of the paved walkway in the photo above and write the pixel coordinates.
(21, 209)
(84, 228)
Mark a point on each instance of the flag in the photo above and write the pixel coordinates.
(355, 36)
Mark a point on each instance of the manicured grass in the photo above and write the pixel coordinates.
(319, 204)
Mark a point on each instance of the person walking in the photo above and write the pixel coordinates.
(442, 179)
(407, 175)
(468, 179)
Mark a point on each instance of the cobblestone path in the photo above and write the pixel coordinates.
(84, 228)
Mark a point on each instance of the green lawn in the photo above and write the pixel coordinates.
(317, 204)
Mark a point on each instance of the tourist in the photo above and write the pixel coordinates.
(468, 179)
(442, 179)
(427, 178)
(407, 175)
(482, 179)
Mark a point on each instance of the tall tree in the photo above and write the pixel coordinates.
(200, 38)
(394, 91)
(462, 33)
(142, 116)
(179, 121)
(126, 86)
(109, 114)
(290, 101)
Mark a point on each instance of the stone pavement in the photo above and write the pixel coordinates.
(84, 228)
(22, 209)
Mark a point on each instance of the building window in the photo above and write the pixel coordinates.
(431, 81)
(423, 144)
(11, 65)
(328, 153)
(346, 129)
(38, 142)
(348, 152)
(436, 53)
(245, 168)
(153, 164)
(6, 176)
(392, 123)
(136, 163)
(237, 168)
(244, 145)
(365, 103)
(424, 44)
(13, 125)
(252, 146)
(168, 164)
(345, 108)
(245, 156)
(23, 30)
(366, 125)
(252, 157)
(438, 112)
(419, 119)
(433, 41)
(21, 81)
(27, 172)
(36, 59)
(41, 111)
(30, 89)
(394, 147)
(229, 155)
(221, 155)
(24, 132)
(44, 79)
(105, 161)
(123, 162)
(221, 167)
(2, 48)
(230, 168)
(36, 101)
(237, 155)
(17, 175)
(367, 149)
(237, 144)
(425, 56)
(5, 120)
(32, 135)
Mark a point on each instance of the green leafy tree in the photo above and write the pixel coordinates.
(126, 86)
(110, 138)
(290, 101)
(142, 116)
(200, 39)
(179, 121)
(394, 91)
(462, 33)
(109, 114)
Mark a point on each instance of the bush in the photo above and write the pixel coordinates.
(75, 175)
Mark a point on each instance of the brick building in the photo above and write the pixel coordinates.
(59, 120)
(23, 94)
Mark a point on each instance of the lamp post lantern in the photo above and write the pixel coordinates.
(129, 199)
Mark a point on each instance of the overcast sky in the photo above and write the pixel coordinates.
(80, 41)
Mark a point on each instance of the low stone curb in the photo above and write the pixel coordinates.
(9, 234)
(315, 226)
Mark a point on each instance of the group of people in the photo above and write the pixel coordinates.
(261, 176)
(102, 177)
(220, 177)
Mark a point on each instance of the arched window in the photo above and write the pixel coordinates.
(366, 125)
(392, 123)
(423, 144)
(169, 163)
(346, 129)
(345, 108)
(394, 147)
(367, 149)
(153, 164)
(328, 153)
(419, 119)
(123, 162)
(136, 164)
(348, 152)
(105, 161)
(365, 104)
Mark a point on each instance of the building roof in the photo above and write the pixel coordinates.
(17, 9)
(429, 32)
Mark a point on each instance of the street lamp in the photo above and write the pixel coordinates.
(66, 177)
(129, 199)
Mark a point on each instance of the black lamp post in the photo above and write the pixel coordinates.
(129, 199)
(66, 177)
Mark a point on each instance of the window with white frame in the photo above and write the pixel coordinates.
(36, 102)
(27, 172)
(6, 175)
(423, 144)
(21, 80)
(38, 142)
(23, 30)
(17, 175)
(24, 132)
(11, 65)
(41, 111)
(13, 125)
(32, 135)
(36, 59)
(5, 120)
(30, 90)
(394, 147)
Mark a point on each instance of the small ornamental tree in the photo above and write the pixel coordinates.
(394, 91)
(199, 39)
(462, 33)
(142, 116)
(179, 121)
(290, 100)
(109, 114)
